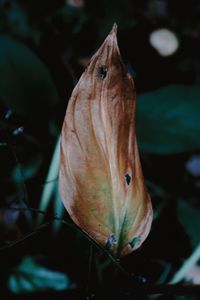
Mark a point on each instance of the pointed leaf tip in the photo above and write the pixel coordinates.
(111, 38)
(114, 28)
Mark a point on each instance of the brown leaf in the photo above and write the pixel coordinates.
(101, 181)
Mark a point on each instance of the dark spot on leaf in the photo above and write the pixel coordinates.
(102, 72)
(135, 241)
(111, 241)
(128, 178)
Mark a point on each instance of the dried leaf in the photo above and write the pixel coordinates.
(101, 181)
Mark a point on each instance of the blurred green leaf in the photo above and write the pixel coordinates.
(74, 17)
(188, 216)
(30, 276)
(17, 21)
(28, 170)
(168, 119)
(25, 83)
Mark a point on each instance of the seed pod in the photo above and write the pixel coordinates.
(101, 181)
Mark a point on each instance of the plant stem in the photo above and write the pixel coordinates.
(51, 183)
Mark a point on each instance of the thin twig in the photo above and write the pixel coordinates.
(21, 240)
(153, 289)
(69, 225)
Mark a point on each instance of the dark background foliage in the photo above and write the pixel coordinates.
(44, 48)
